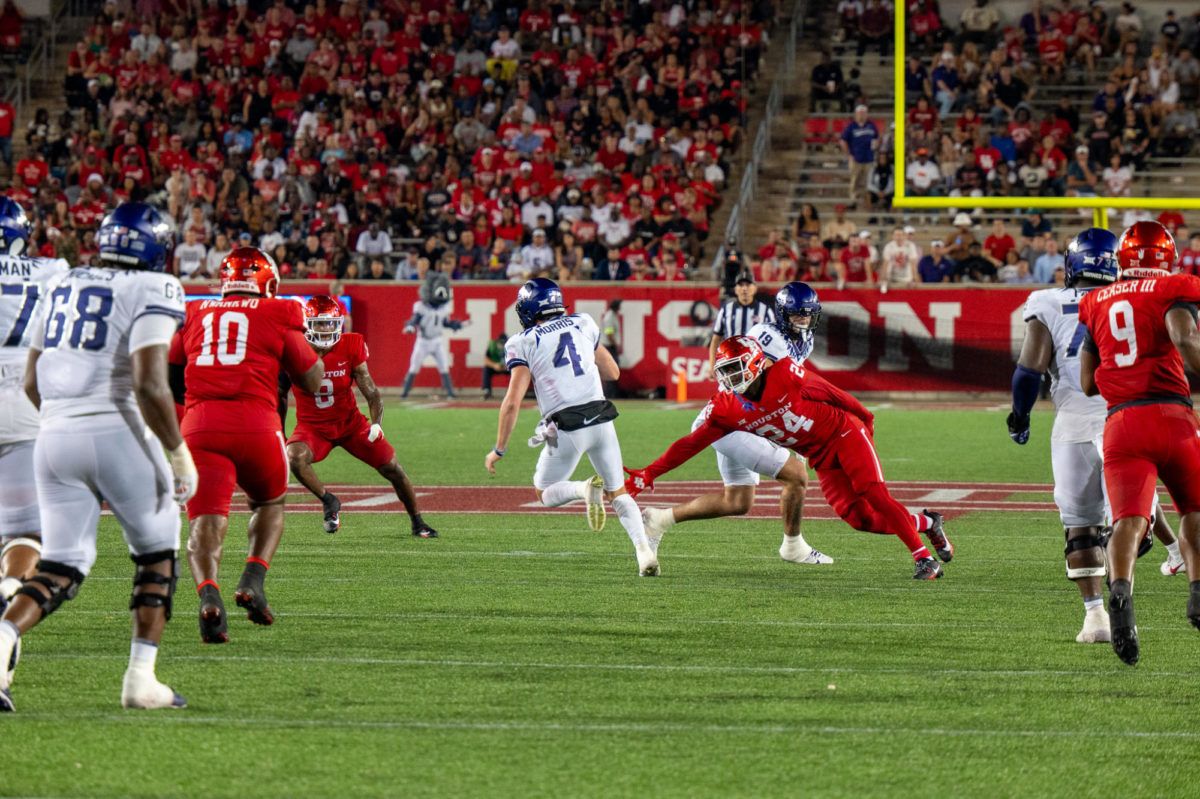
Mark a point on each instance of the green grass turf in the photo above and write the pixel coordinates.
(520, 655)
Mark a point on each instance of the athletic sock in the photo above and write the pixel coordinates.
(9, 586)
(1090, 603)
(795, 546)
(630, 517)
(408, 384)
(1172, 550)
(143, 654)
(564, 492)
(9, 632)
(920, 553)
(446, 384)
(922, 522)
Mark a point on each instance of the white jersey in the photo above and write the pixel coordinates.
(561, 356)
(1078, 417)
(777, 346)
(428, 320)
(23, 284)
(85, 366)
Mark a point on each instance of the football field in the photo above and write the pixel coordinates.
(520, 655)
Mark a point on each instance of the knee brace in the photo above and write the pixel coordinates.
(1084, 542)
(144, 576)
(24, 541)
(53, 594)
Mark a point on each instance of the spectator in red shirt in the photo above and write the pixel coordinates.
(8, 117)
(1189, 258)
(998, 243)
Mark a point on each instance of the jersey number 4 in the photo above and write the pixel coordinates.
(231, 331)
(566, 355)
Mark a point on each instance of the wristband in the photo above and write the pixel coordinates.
(499, 452)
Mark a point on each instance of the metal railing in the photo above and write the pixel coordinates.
(761, 148)
(38, 65)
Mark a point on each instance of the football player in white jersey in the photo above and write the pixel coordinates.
(743, 457)
(1053, 337)
(97, 371)
(561, 355)
(23, 280)
(431, 317)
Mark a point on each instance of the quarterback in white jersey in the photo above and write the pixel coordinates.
(742, 458)
(1053, 338)
(430, 319)
(561, 356)
(23, 283)
(97, 371)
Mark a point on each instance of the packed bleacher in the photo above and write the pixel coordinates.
(1065, 99)
(358, 140)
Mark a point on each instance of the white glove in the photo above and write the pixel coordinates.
(375, 433)
(184, 469)
(410, 330)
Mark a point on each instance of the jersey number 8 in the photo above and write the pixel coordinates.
(232, 328)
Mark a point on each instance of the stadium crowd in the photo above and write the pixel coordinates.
(503, 141)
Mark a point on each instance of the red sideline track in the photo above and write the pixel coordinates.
(952, 499)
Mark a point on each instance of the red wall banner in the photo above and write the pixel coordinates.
(931, 340)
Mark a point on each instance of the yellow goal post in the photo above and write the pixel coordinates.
(1099, 205)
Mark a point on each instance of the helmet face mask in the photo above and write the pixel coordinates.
(739, 363)
(323, 321)
(798, 310)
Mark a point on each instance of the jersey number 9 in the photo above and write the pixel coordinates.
(1120, 323)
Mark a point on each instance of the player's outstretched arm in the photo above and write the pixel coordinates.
(1036, 351)
(676, 455)
(518, 383)
(606, 364)
(370, 391)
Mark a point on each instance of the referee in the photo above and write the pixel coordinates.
(737, 316)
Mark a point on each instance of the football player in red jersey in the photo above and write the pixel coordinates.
(797, 409)
(230, 352)
(330, 416)
(1141, 332)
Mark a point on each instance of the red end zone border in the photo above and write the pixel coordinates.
(951, 499)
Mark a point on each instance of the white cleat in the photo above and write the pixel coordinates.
(814, 557)
(1095, 628)
(656, 521)
(647, 563)
(596, 515)
(143, 691)
(1172, 565)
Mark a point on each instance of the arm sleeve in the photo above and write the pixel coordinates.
(176, 355)
(1025, 386)
(686, 448)
(298, 357)
(819, 389)
(1089, 344)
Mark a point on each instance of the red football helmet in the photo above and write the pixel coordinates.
(249, 270)
(323, 321)
(740, 361)
(1146, 245)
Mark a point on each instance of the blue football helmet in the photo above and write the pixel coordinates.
(797, 310)
(137, 236)
(15, 229)
(537, 299)
(1092, 255)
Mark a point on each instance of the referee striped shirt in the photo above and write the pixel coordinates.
(735, 319)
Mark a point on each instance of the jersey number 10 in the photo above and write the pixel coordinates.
(232, 329)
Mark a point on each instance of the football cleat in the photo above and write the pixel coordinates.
(213, 629)
(10, 660)
(1122, 622)
(141, 690)
(251, 597)
(1095, 628)
(594, 496)
(937, 537)
(422, 530)
(6, 701)
(1147, 542)
(332, 506)
(648, 566)
(1172, 565)
(1193, 605)
(927, 569)
(656, 521)
(813, 558)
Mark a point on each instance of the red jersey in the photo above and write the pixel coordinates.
(1127, 325)
(234, 349)
(333, 408)
(799, 410)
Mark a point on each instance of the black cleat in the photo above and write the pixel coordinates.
(332, 506)
(213, 629)
(422, 530)
(251, 597)
(1147, 542)
(6, 702)
(927, 569)
(1122, 622)
(937, 537)
(1193, 606)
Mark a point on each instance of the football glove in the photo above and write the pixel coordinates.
(186, 477)
(1018, 427)
(375, 433)
(638, 481)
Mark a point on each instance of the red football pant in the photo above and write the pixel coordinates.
(254, 460)
(1146, 442)
(852, 481)
(376, 454)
